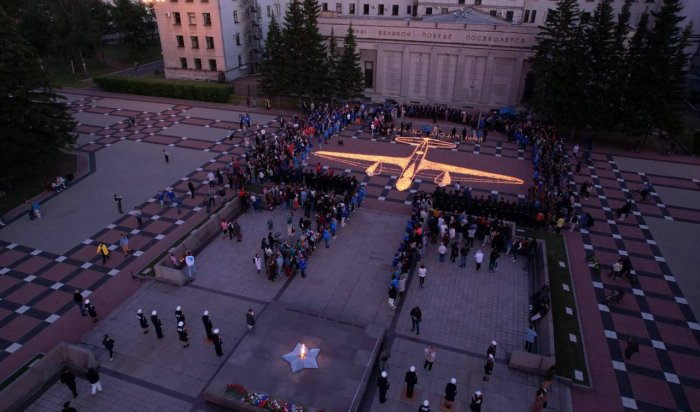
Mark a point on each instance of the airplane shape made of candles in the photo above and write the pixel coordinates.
(416, 164)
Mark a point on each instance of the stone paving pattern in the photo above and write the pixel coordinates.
(35, 285)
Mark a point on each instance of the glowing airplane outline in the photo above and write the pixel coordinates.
(410, 166)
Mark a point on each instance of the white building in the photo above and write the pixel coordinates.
(412, 50)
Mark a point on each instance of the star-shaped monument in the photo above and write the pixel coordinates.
(302, 358)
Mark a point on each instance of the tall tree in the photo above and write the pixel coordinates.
(35, 22)
(605, 69)
(558, 66)
(33, 124)
(272, 63)
(293, 57)
(315, 72)
(350, 78)
(131, 22)
(332, 63)
(71, 43)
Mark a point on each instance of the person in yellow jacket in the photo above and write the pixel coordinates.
(103, 251)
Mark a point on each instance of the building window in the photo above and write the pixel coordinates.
(207, 19)
(408, 10)
(204, 1)
(269, 11)
(352, 8)
(526, 16)
(443, 10)
(178, 21)
(380, 10)
(509, 15)
(395, 10)
(477, 2)
(428, 11)
(183, 62)
(180, 41)
(173, 1)
(238, 39)
(195, 42)
(324, 6)
(192, 18)
(240, 60)
(235, 16)
(189, 1)
(494, 13)
(339, 8)
(460, 1)
(365, 9)
(210, 42)
(212, 65)
(369, 75)
(198, 64)
(585, 16)
(532, 16)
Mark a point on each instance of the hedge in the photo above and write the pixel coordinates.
(180, 89)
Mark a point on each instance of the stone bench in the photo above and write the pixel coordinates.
(44, 372)
(195, 240)
(530, 362)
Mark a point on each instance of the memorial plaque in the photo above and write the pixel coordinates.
(445, 79)
(502, 81)
(418, 64)
(474, 69)
(392, 72)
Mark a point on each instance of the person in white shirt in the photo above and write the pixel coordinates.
(479, 259)
(422, 271)
(442, 250)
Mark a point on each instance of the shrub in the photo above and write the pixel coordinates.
(180, 89)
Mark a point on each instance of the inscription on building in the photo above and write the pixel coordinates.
(448, 36)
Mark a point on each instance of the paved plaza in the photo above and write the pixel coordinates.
(41, 263)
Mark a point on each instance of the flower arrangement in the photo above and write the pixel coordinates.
(262, 400)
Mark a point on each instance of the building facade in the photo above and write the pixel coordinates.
(467, 52)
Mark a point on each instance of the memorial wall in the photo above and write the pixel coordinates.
(463, 65)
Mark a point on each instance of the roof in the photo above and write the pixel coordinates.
(465, 16)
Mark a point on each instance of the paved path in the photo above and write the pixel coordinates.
(36, 312)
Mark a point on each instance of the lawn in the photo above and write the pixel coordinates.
(29, 188)
(112, 58)
(570, 356)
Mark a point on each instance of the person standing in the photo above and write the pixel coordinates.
(476, 402)
(430, 355)
(392, 296)
(191, 268)
(411, 380)
(632, 347)
(257, 260)
(30, 210)
(182, 334)
(425, 407)
(142, 321)
(302, 266)
(157, 324)
(493, 260)
(530, 336)
(166, 155)
(124, 244)
(108, 343)
(139, 216)
(250, 319)
(118, 198)
(488, 368)
(384, 356)
(78, 299)
(454, 251)
(103, 251)
(422, 272)
(442, 250)
(206, 320)
(68, 378)
(91, 310)
(491, 350)
(479, 259)
(179, 315)
(416, 317)
(190, 186)
(450, 393)
(216, 337)
(383, 384)
(68, 408)
(463, 252)
(540, 401)
(94, 378)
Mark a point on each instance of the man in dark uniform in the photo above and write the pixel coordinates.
(91, 310)
(78, 299)
(179, 316)
(450, 393)
(157, 324)
(108, 343)
(411, 381)
(142, 320)
(207, 325)
(68, 378)
(217, 343)
(425, 407)
(383, 384)
(182, 333)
